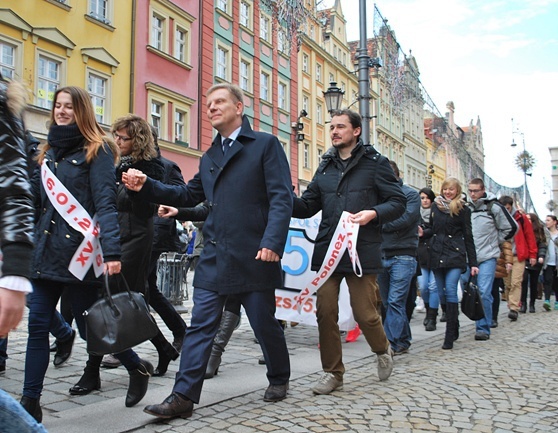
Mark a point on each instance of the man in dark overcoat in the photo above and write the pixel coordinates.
(245, 178)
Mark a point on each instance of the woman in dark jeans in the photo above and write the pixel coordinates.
(531, 275)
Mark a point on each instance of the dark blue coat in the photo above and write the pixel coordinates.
(249, 194)
(368, 182)
(94, 186)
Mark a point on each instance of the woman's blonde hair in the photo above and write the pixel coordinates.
(87, 124)
(143, 146)
(456, 203)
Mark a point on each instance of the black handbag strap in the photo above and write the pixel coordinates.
(108, 295)
(472, 279)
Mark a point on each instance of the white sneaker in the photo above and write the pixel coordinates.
(327, 384)
(419, 305)
(385, 364)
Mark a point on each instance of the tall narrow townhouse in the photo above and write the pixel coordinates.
(324, 60)
(48, 44)
(240, 44)
(166, 76)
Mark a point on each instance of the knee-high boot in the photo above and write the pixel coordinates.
(167, 353)
(228, 323)
(91, 379)
(451, 325)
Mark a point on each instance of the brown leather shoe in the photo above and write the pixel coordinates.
(173, 406)
(275, 393)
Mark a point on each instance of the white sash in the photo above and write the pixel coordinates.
(89, 252)
(344, 238)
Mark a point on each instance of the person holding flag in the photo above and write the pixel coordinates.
(357, 191)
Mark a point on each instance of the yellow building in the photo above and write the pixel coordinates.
(324, 58)
(48, 44)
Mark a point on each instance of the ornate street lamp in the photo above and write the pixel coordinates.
(524, 161)
(333, 97)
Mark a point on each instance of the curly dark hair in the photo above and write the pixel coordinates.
(143, 147)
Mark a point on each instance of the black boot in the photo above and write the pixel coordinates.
(33, 407)
(139, 379)
(426, 308)
(167, 353)
(64, 350)
(228, 323)
(451, 325)
(443, 318)
(431, 315)
(91, 379)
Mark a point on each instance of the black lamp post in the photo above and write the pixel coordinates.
(333, 97)
(524, 164)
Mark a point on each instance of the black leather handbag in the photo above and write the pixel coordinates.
(118, 322)
(471, 302)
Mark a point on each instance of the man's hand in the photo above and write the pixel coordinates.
(474, 270)
(12, 304)
(509, 267)
(133, 179)
(363, 217)
(532, 262)
(266, 255)
(112, 267)
(166, 211)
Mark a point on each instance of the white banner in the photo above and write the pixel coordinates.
(89, 252)
(296, 265)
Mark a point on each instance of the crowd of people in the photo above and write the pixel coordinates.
(91, 188)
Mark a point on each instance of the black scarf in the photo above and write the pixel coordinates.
(64, 138)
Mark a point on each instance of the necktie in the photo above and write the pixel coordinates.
(226, 145)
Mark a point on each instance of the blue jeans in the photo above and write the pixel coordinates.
(427, 286)
(394, 284)
(485, 279)
(42, 315)
(14, 418)
(446, 281)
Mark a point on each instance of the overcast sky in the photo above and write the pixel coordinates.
(494, 59)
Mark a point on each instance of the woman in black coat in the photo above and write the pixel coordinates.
(137, 148)
(451, 249)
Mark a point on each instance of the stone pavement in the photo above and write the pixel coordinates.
(506, 384)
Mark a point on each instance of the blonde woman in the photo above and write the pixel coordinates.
(451, 249)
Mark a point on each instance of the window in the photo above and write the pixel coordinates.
(97, 88)
(98, 10)
(305, 103)
(331, 78)
(245, 14)
(319, 113)
(7, 60)
(318, 72)
(306, 156)
(179, 125)
(282, 95)
(264, 87)
(180, 44)
(281, 42)
(320, 153)
(157, 32)
(305, 63)
(222, 4)
(264, 28)
(245, 76)
(222, 63)
(156, 116)
(48, 81)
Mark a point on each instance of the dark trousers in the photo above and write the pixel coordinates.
(42, 314)
(550, 282)
(496, 284)
(159, 303)
(206, 316)
(530, 284)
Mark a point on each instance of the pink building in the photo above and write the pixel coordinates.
(165, 72)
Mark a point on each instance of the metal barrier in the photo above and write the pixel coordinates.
(172, 270)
